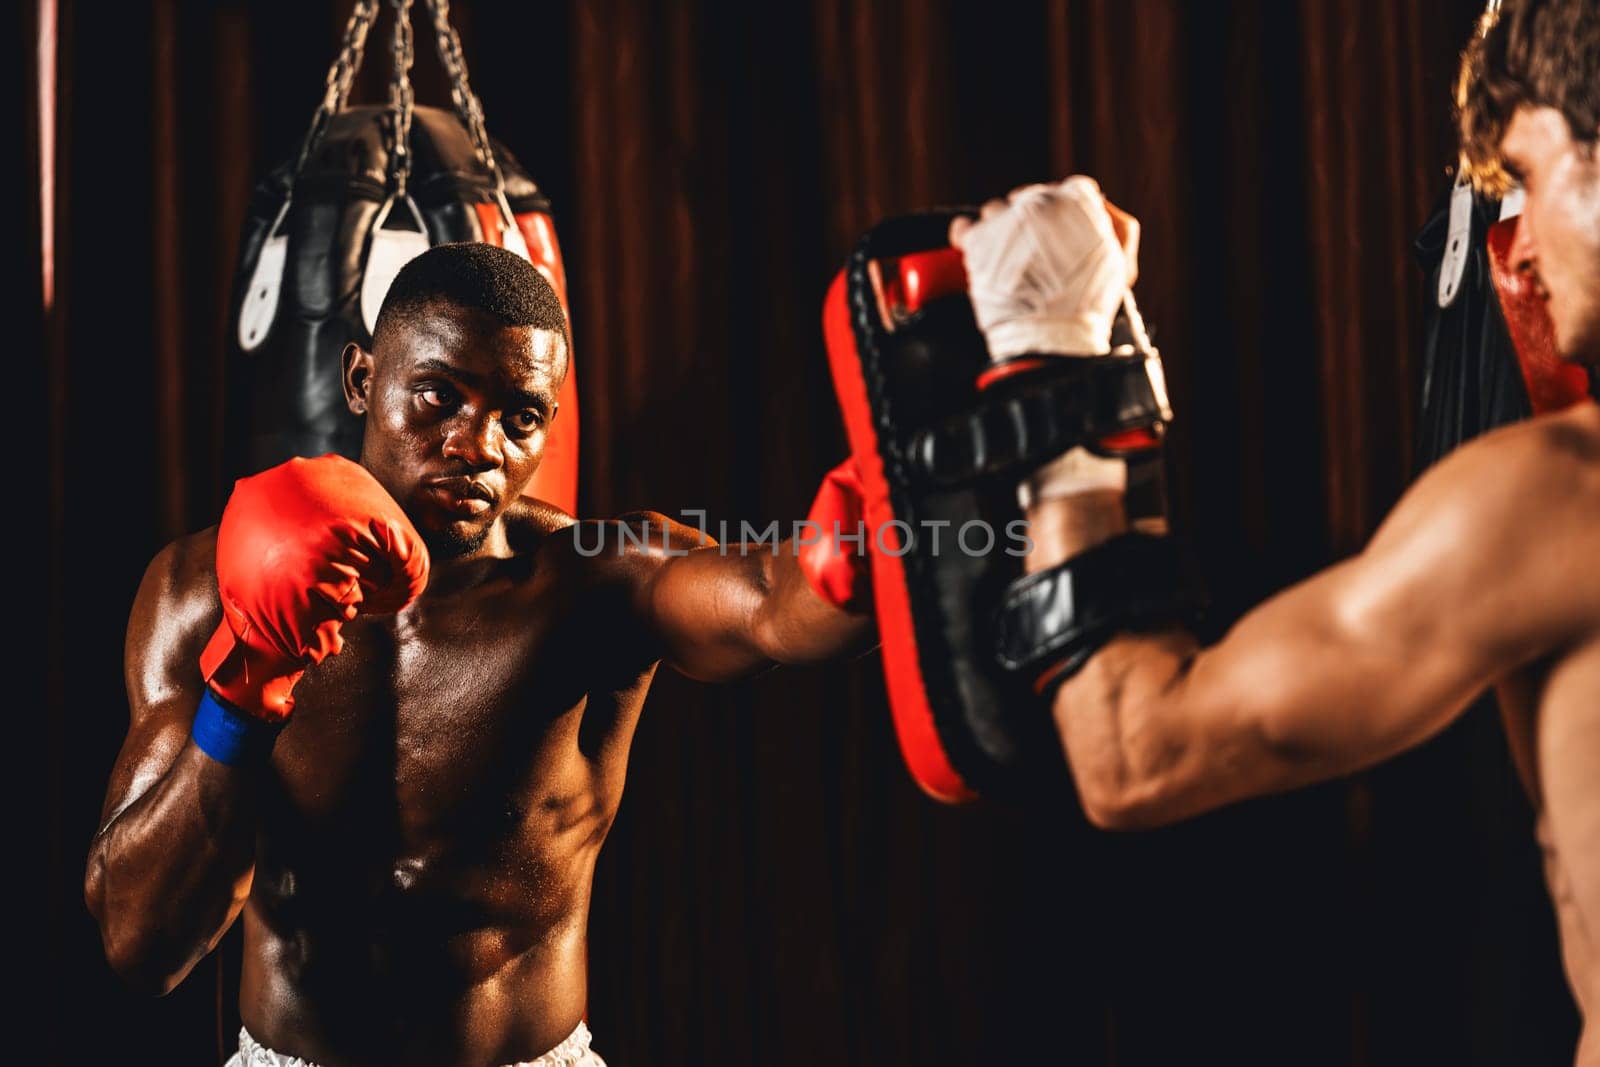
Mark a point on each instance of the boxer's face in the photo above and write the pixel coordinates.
(457, 407)
(1558, 235)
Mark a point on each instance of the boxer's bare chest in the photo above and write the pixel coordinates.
(454, 746)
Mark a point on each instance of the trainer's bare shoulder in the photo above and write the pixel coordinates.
(1489, 556)
(1560, 534)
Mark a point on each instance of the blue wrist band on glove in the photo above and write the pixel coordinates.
(230, 736)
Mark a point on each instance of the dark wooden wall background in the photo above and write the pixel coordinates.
(775, 890)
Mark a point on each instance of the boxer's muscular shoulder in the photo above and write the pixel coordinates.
(530, 524)
(618, 560)
(173, 615)
(657, 537)
(631, 545)
(176, 607)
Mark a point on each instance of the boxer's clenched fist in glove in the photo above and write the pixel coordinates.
(303, 547)
(1047, 270)
(834, 558)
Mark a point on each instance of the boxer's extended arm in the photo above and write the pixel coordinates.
(172, 864)
(1485, 564)
(723, 612)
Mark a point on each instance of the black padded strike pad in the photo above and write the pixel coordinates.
(1058, 618)
(1021, 423)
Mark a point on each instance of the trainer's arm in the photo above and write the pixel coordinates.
(172, 864)
(1479, 569)
(723, 612)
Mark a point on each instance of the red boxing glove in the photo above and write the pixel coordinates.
(836, 564)
(303, 547)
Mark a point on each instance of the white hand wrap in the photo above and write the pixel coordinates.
(1047, 274)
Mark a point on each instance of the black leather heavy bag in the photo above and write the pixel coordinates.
(1488, 354)
(304, 256)
(1470, 382)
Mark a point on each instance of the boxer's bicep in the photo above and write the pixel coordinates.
(704, 612)
(698, 601)
(173, 614)
(172, 863)
(723, 612)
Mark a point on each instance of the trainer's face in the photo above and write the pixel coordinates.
(456, 409)
(1558, 234)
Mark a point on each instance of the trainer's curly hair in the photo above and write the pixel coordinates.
(1540, 53)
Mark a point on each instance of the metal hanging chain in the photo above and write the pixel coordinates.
(401, 98)
(466, 101)
(341, 76)
(336, 90)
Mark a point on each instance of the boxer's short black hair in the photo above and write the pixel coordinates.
(1538, 53)
(474, 275)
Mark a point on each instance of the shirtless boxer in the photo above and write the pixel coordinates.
(413, 852)
(1486, 573)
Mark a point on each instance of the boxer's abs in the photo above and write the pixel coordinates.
(457, 971)
(428, 947)
(426, 852)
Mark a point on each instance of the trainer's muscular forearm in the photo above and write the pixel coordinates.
(1095, 710)
(1347, 668)
(1157, 729)
(169, 872)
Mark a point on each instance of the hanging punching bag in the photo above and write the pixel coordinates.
(1488, 354)
(1469, 368)
(326, 233)
(1552, 383)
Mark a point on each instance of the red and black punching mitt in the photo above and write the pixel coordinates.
(942, 436)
